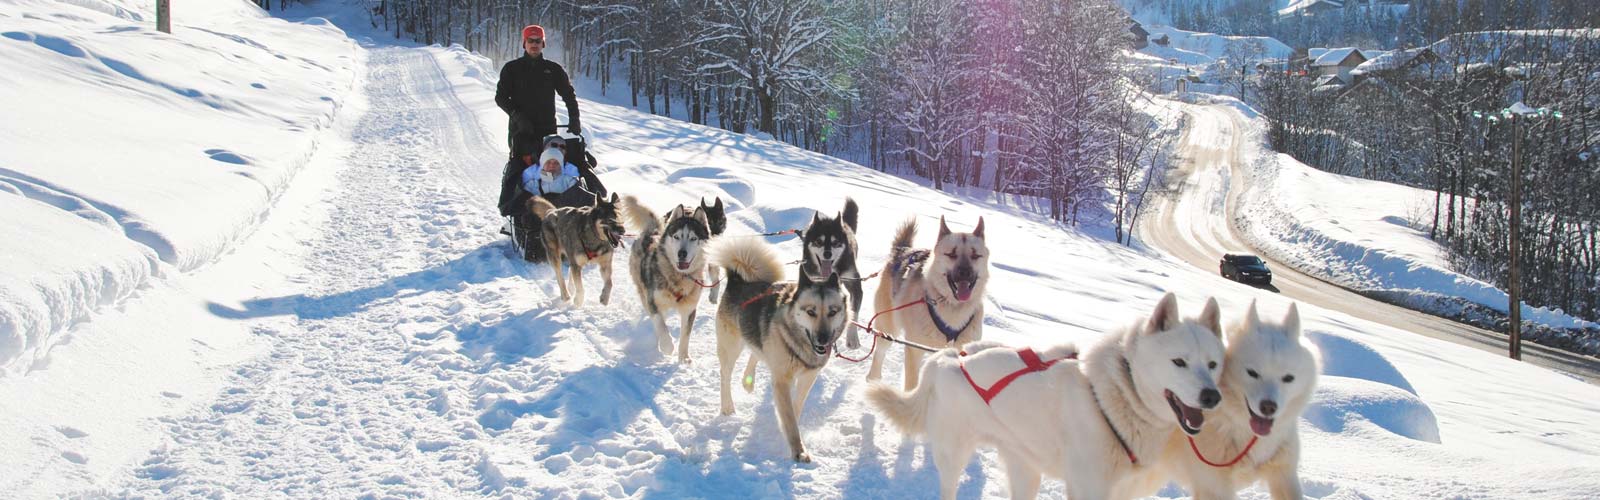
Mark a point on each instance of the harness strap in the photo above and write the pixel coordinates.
(1117, 434)
(949, 332)
(1242, 453)
(1030, 363)
(763, 295)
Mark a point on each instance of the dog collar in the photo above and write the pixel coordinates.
(950, 333)
(1102, 409)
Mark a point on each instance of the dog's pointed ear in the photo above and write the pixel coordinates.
(615, 198)
(1252, 318)
(805, 279)
(700, 215)
(679, 211)
(1211, 316)
(1291, 321)
(979, 231)
(702, 201)
(718, 204)
(1165, 315)
(815, 218)
(944, 229)
(833, 280)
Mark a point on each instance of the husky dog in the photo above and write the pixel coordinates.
(668, 265)
(717, 221)
(948, 281)
(1270, 376)
(580, 236)
(790, 327)
(1099, 421)
(828, 248)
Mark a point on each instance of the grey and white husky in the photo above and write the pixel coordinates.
(580, 236)
(789, 326)
(828, 249)
(668, 267)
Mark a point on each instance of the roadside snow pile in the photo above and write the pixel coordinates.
(127, 153)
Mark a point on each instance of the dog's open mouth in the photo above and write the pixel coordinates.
(824, 268)
(1259, 424)
(961, 288)
(683, 265)
(1189, 417)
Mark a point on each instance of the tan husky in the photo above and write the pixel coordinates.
(941, 289)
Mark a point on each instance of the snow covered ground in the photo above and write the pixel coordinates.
(368, 335)
(1363, 235)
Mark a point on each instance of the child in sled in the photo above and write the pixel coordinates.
(557, 181)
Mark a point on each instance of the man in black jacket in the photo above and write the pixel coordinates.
(527, 89)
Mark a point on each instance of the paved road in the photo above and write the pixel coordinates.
(1193, 225)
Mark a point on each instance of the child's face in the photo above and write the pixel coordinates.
(552, 166)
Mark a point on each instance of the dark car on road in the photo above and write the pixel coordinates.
(1245, 268)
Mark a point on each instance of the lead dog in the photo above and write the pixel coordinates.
(668, 265)
(1269, 379)
(790, 327)
(1100, 423)
(948, 281)
(580, 236)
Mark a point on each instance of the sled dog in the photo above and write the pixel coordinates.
(1269, 377)
(1100, 421)
(717, 221)
(948, 281)
(668, 267)
(788, 326)
(828, 247)
(580, 236)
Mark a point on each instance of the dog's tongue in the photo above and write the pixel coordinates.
(683, 266)
(961, 288)
(1260, 425)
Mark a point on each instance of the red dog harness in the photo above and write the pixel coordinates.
(1030, 363)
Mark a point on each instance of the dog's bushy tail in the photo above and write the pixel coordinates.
(637, 217)
(746, 259)
(540, 206)
(906, 411)
(851, 211)
(904, 235)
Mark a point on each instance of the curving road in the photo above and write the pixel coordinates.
(1193, 225)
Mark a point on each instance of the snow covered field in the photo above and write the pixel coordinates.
(363, 333)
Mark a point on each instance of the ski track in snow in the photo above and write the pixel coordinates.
(423, 361)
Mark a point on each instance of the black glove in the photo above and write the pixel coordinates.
(575, 128)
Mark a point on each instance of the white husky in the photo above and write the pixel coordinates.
(1270, 377)
(1100, 422)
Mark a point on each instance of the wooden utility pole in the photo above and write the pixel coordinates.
(164, 16)
(1514, 288)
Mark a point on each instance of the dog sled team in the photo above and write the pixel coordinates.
(1167, 398)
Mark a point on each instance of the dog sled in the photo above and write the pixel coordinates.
(521, 225)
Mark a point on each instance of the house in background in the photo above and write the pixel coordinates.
(1141, 37)
(1335, 62)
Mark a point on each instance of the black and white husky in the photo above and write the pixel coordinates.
(789, 326)
(668, 267)
(829, 249)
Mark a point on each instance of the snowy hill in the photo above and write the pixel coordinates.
(363, 333)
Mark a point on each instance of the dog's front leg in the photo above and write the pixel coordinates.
(605, 274)
(577, 281)
(783, 398)
(852, 337)
(683, 333)
(913, 367)
(712, 273)
(1285, 484)
(663, 339)
(803, 389)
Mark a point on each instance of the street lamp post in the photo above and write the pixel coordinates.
(1515, 115)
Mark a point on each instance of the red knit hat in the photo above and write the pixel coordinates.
(532, 31)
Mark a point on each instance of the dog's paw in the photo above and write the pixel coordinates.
(852, 337)
(665, 345)
(802, 457)
(684, 360)
(727, 409)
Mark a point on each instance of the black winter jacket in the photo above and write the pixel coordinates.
(526, 92)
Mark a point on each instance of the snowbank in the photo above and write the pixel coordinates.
(132, 152)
